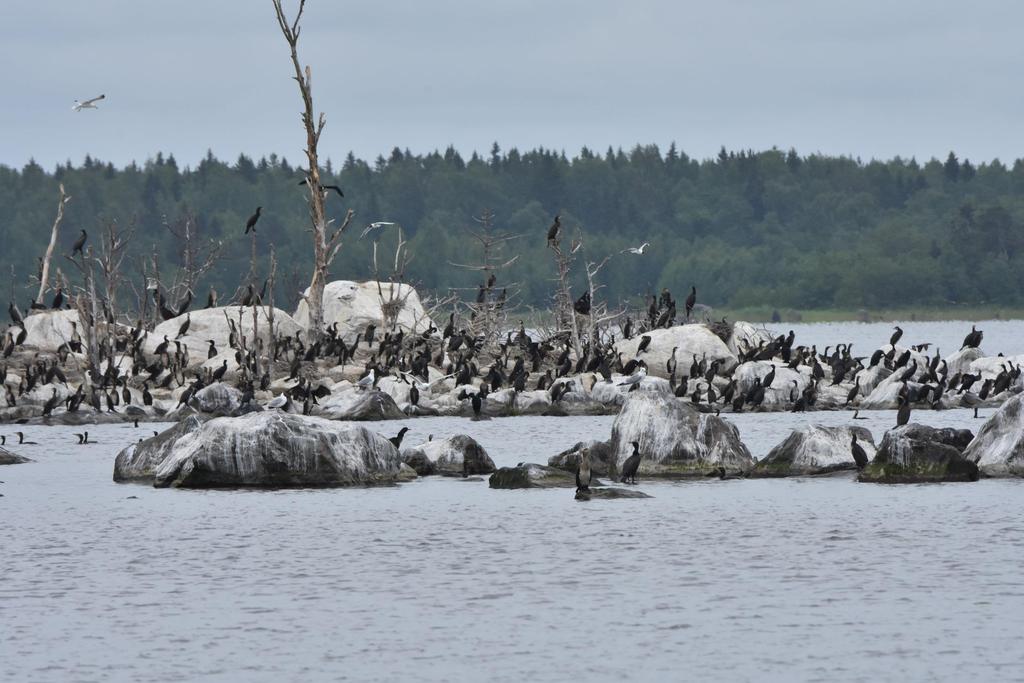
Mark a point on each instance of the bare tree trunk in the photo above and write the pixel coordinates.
(64, 199)
(272, 345)
(321, 245)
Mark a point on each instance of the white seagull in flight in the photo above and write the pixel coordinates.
(88, 104)
(636, 250)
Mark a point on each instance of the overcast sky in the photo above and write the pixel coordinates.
(867, 78)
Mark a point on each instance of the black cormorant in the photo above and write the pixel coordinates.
(631, 465)
(253, 219)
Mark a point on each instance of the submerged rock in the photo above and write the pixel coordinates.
(916, 453)
(268, 449)
(455, 456)
(998, 449)
(815, 449)
(569, 459)
(8, 458)
(608, 492)
(528, 475)
(675, 439)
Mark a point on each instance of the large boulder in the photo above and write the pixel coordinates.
(569, 459)
(675, 439)
(998, 449)
(212, 323)
(354, 305)
(8, 458)
(916, 453)
(351, 403)
(138, 462)
(960, 362)
(688, 340)
(455, 456)
(786, 384)
(815, 449)
(218, 398)
(271, 449)
(49, 330)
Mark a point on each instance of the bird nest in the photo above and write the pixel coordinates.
(391, 309)
(721, 329)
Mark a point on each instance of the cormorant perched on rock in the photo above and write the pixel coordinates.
(147, 398)
(690, 301)
(184, 326)
(161, 348)
(51, 403)
(553, 230)
(645, 341)
(895, 336)
(973, 340)
(76, 248)
(583, 472)
(632, 464)
(253, 219)
(15, 314)
(396, 441)
(769, 378)
(853, 392)
(671, 364)
(213, 350)
(903, 414)
(58, 300)
(859, 456)
(219, 372)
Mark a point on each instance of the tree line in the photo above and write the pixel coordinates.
(767, 228)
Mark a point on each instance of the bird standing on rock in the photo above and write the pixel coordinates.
(631, 465)
(583, 472)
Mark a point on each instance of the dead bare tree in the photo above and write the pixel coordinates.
(324, 248)
(565, 316)
(489, 306)
(197, 256)
(392, 302)
(45, 271)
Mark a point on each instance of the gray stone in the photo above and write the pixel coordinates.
(814, 449)
(9, 458)
(916, 453)
(998, 449)
(531, 476)
(675, 439)
(569, 459)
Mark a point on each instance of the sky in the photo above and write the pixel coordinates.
(865, 78)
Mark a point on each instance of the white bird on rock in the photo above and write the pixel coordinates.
(366, 382)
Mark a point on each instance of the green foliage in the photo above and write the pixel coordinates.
(747, 228)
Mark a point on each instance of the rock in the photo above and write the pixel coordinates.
(49, 330)
(607, 492)
(746, 337)
(814, 449)
(998, 449)
(916, 453)
(138, 462)
(675, 439)
(569, 459)
(531, 476)
(350, 403)
(211, 323)
(266, 449)
(218, 398)
(455, 456)
(354, 305)
(960, 362)
(691, 340)
(777, 396)
(8, 458)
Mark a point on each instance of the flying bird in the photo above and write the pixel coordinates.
(324, 188)
(88, 104)
(376, 225)
(636, 250)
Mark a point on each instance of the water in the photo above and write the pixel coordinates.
(801, 579)
(1001, 336)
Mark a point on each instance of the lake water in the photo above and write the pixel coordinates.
(440, 579)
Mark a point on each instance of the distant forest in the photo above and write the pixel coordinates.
(747, 228)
